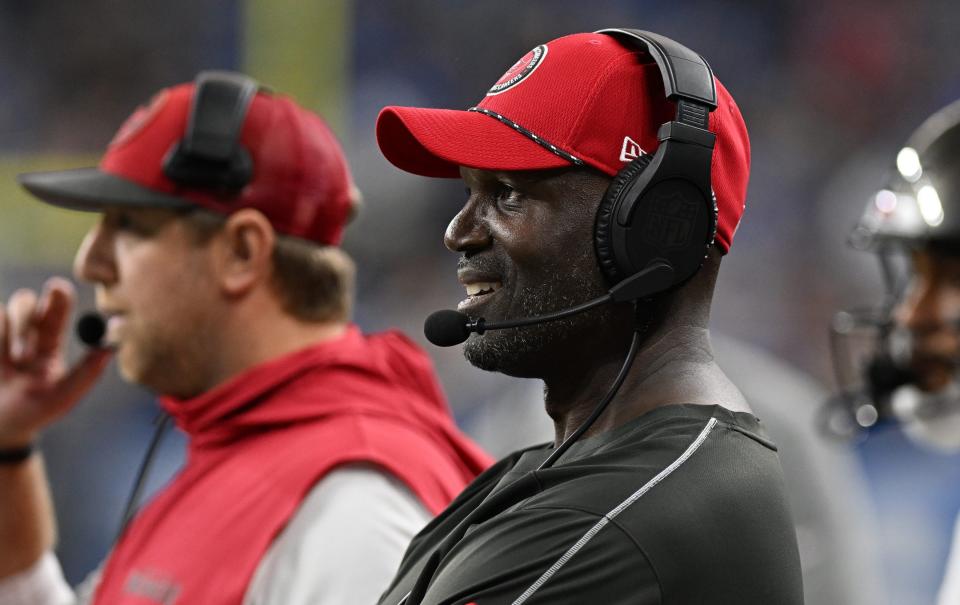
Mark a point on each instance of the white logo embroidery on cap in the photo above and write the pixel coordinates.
(631, 150)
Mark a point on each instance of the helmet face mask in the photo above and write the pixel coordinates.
(900, 358)
(864, 348)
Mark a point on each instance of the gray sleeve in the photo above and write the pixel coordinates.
(40, 584)
(950, 589)
(88, 587)
(343, 544)
(546, 556)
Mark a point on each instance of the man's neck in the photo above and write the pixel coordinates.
(675, 366)
(260, 341)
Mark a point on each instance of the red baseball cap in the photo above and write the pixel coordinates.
(583, 98)
(301, 181)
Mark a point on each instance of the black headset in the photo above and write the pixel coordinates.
(658, 217)
(209, 156)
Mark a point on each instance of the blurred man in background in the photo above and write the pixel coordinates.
(908, 354)
(674, 494)
(314, 452)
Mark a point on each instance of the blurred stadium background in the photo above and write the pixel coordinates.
(828, 90)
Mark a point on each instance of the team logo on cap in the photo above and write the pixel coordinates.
(520, 70)
(140, 118)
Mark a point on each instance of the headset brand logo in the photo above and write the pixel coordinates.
(669, 221)
(519, 71)
(630, 150)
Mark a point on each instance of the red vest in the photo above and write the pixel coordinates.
(257, 445)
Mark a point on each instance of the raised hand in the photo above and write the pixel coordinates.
(36, 385)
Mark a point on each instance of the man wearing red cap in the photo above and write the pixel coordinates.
(314, 451)
(589, 168)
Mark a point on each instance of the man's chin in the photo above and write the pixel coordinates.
(506, 352)
(126, 363)
(483, 353)
(135, 369)
(931, 419)
(534, 351)
(133, 372)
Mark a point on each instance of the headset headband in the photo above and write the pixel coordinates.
(659, 216)
(687, 78)
(210, 155)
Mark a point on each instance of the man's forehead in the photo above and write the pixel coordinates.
(564, 176)
(143, 211)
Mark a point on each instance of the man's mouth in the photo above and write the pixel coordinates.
(482, 288)
(478, 290)
(115, 322)
(933, 369)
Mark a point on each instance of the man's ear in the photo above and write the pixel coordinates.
(244, 252)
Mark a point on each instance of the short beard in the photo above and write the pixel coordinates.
(516, 351)
(170, 364)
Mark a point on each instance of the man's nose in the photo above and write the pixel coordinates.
(94, 261)
(467, 231)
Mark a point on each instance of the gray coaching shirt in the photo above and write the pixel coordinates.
(682, 505)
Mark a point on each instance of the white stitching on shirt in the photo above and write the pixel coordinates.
(616, 511)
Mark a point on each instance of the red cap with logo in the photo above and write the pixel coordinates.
(300, 182)
(583, 98)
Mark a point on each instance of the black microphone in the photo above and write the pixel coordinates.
(91, 328)
(448, 327)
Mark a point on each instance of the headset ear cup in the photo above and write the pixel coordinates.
(603, 226)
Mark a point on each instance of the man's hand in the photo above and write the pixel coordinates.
(36, 386)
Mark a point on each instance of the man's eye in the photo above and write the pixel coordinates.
(128, 223)
(122, 221)
(504, 191)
